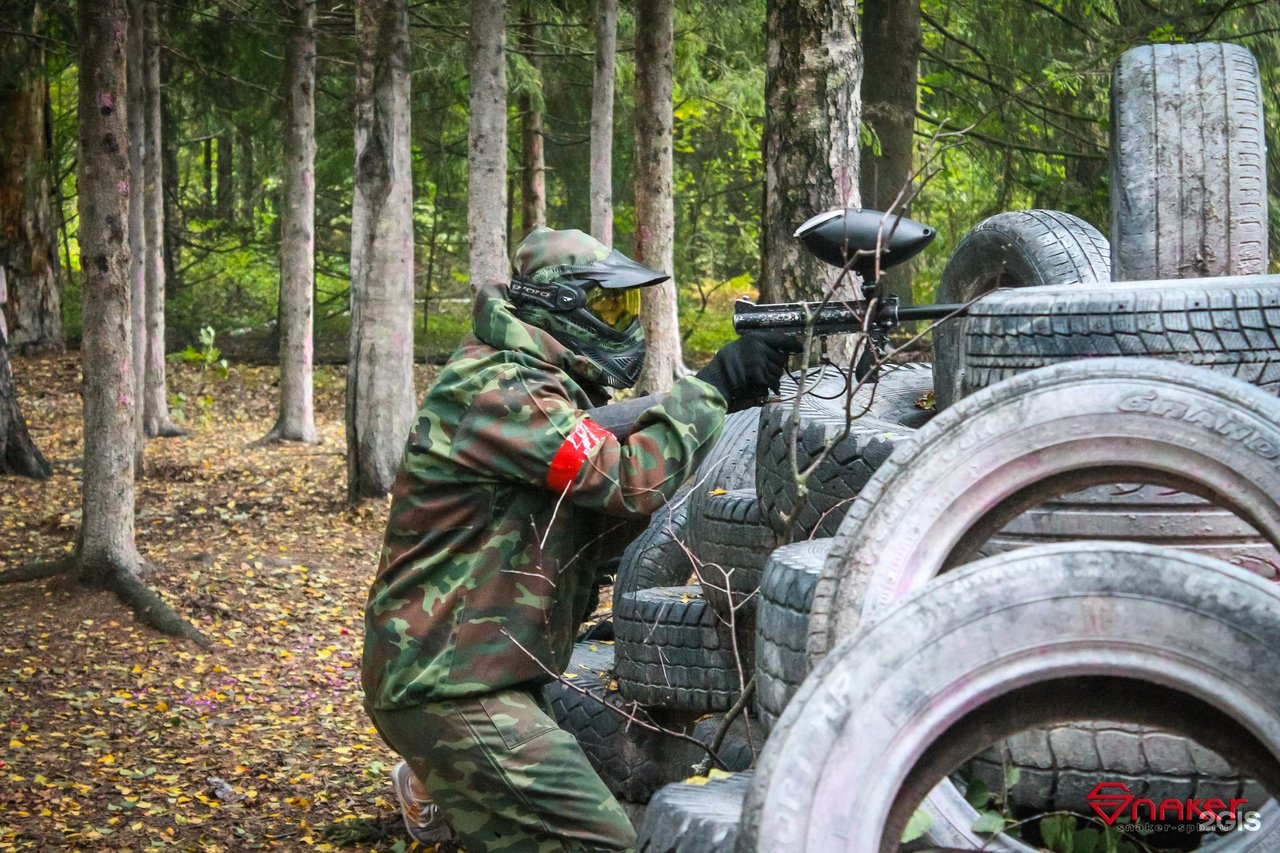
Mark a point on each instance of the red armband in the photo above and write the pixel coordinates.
(572, 455)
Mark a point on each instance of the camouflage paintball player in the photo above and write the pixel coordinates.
(506, 489)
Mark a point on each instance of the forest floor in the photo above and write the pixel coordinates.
(114, 737)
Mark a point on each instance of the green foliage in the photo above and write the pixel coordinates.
(919, 824)
(1063, 833)
(210, 361)
(1013, 114)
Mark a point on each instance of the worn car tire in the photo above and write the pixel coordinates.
(782, 624)
(977, 466)
(1188, 164)
(1022, 248)
(1058, 767)
(689, 817)
(660, 555)
(731, 543)
(674, 652)
(629, 758)
(632, 760)
(1128, 632)
(1229, 325)
(838, 440)
(1140, 513)
(731, 461)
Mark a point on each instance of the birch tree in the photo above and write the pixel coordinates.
(156, 418)
(533, 171)
(602, 93)
(655, 204)
(812, 112)
(296, 418)
(891, 47)
(106, 555)
(380, 364)
(487, 145)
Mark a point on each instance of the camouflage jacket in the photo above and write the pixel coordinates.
(481, 581)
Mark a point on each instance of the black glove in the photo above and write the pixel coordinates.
(747, 368)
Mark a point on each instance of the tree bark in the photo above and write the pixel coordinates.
(28, 230)
(654, 182)
(487, 148)
(156, 419)
(226, 197)
(170, 191)
(533, 175)
(380, 370)
(137, 120)
(602, 92)
(18, 453)
(106, 554)
(248, 181)
(812, 113)
(891, 49)
(296, 418)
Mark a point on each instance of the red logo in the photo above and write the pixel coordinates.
(1109, 800)
(1112, 801)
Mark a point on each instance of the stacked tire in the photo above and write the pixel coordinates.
(1079, 404)
(641, 704)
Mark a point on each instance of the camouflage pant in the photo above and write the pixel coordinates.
(506, 776)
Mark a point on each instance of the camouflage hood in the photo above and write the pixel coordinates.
(496, 324)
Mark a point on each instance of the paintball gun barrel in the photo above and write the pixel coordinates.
(866, 242)
(833, 318)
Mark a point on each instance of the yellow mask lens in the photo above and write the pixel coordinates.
(615, 308)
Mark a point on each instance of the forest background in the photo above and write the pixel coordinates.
(118, 737)
(1012, 114)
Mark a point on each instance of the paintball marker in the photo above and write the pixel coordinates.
(865, 242)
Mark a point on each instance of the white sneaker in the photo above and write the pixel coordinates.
(422, 818)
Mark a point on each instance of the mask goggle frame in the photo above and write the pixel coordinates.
(615, 308)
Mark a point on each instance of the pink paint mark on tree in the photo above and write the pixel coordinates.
(643, 237)
(124, 401)
(106, 101)
(122, 187)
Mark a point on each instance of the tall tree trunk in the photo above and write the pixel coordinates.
(654, 189)
(28, 231)
(533, 174)
(137, 120)
(206, 205)
(380, 370)
(812, 112)
(296, 419)
(174, 217)
(107, 535)
(18, 453)
(602, 121)
(891, 49)
(156, 420)
(106, 554)
(487, 150)
(248, 181)
(226, 176)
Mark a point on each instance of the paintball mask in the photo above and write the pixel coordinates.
(586, 296)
